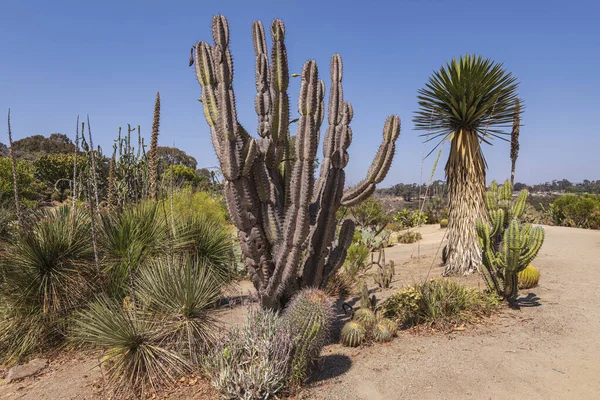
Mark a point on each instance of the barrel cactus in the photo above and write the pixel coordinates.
(384, 330)
(365, 316)
(444, 223)
(308, 318)
(286, 219)
(353, 334)
(529, 277)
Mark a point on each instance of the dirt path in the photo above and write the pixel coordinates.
(548, 351)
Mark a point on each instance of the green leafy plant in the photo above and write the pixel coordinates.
(356, 263)
(438, 303)
(581, 211)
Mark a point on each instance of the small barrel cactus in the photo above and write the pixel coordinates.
(384, 330)
(366, 317)
(353, 334)
(444, 223)
(529, 277)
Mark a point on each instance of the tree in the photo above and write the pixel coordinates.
(172, 156)
(468, 101)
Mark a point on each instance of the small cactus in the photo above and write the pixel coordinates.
(365, 316)
(385, 272)
(365, 300)
(353, 334)
(529, 277)
(384, 330)
(444, 223)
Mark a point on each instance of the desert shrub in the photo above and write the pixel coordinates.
(409, 237)
(188, 203)
(46, 274)
(356, 260)
(179, 294)
(253, 361)
(56, 171)
(577, 211)
(308, 318)
(137, 356)
(406, 218)
(29, 187)
(438, 303)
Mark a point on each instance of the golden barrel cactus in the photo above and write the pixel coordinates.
(529, 277)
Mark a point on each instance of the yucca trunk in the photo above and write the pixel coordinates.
(465, 172)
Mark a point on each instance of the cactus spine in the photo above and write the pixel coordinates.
(508, 247)
(309, 318)
(286, 221)
(353, 334)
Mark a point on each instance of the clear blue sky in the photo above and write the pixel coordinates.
(108, 58)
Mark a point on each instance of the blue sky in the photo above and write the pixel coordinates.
(108, 58)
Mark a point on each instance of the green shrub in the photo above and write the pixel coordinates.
(409, 237)
(254, 360)
(356, 260)
(577, 211)
(188, 203)
(46, 274)
(29, 188)
(137, 354)
(438, 303)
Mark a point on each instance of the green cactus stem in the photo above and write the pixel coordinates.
(353, 334)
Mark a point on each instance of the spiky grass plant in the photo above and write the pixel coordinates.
(180, 293)
(206, 241)
(466, 102)
(128, 240)
(137, 355)
(254, 360)
(46, 274)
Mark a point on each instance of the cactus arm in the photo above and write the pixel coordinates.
(338, 254)
(380, 166)
(519, 204)
(296, 223)
(532, 247)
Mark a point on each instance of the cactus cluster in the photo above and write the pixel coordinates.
(385, 272)
(529, 277)
(367, 326)
(308, 318)
(286, 220)
(508, 246)
(384, 330)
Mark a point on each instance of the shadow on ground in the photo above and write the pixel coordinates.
(332, 366)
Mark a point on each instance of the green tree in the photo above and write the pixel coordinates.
(469, 101)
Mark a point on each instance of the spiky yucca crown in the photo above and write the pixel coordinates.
(353, 334)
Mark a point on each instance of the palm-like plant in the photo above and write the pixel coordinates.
(469, 101)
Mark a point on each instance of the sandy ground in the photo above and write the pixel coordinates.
(549, 349)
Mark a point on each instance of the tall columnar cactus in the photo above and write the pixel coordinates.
(502, 208)
(520, 245)
(385, 272)
(308, 318)
(286, 221)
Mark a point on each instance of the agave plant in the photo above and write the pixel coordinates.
(469, 101)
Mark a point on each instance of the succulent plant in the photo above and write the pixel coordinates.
(365, 316)
(353, 334)
(384, 330)
(385, 272)
(365, 300)
(444, 223)
(286, 221)
(529, 277)
(507, 245)
(308, 318)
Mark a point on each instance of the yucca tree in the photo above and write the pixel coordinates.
(466, 102)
